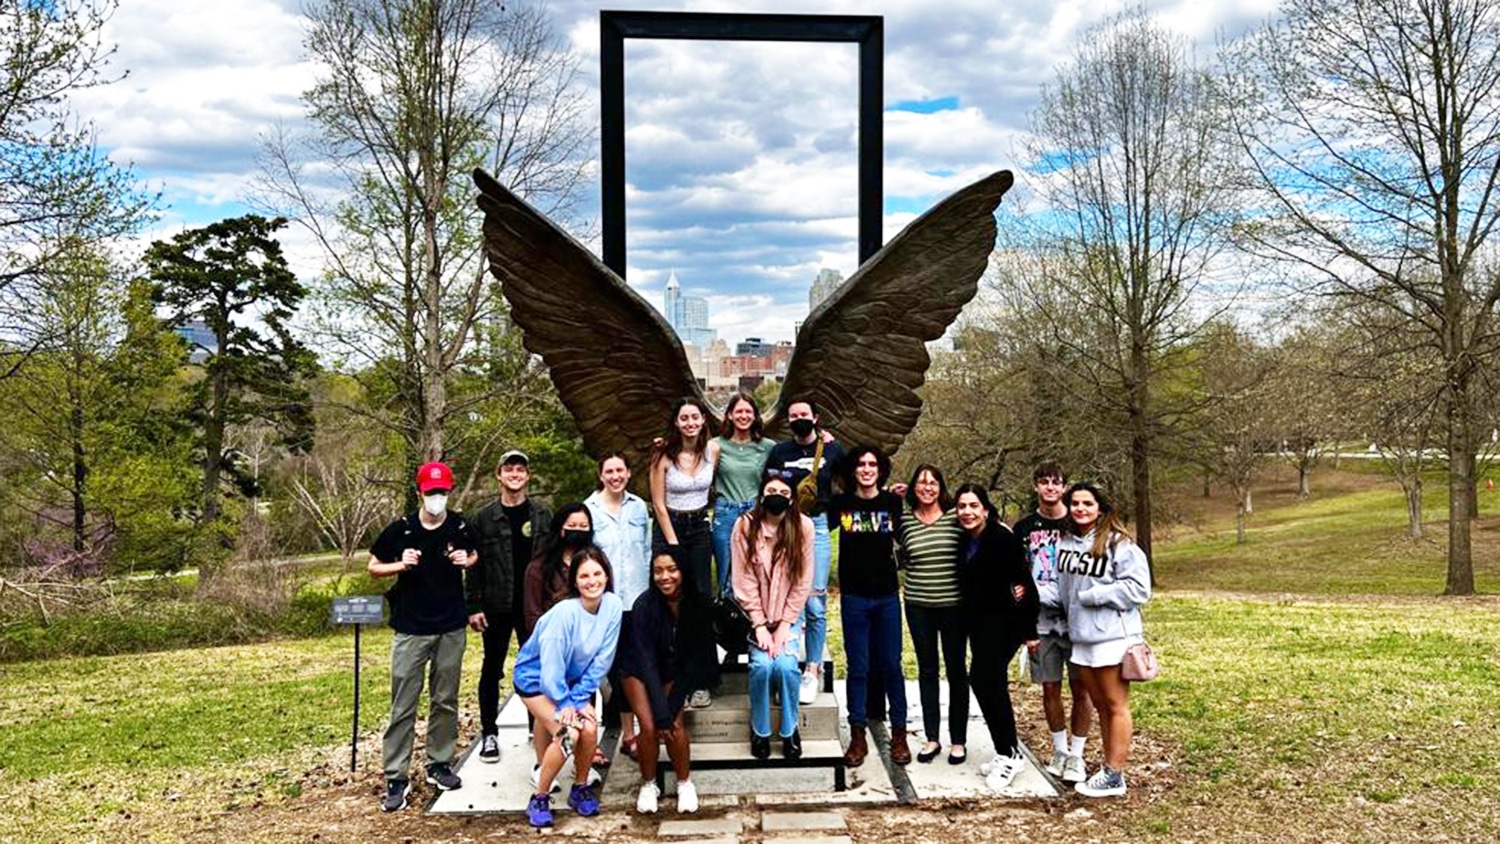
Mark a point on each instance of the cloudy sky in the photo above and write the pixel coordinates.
(741, 157)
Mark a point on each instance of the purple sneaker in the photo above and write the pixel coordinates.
(583, 800)
(539, 810)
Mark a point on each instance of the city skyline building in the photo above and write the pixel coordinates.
(822, 287)
(688, 315)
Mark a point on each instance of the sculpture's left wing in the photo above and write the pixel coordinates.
(862, 353)
(616, 363)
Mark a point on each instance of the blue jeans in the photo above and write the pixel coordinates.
(782, 671)
(872, 643)
(815, 616)
(726, 513)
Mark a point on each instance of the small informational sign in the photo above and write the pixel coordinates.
(359, 609)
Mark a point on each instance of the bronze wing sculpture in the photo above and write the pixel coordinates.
(861, 355)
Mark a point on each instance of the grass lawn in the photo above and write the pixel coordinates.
(1349, 538)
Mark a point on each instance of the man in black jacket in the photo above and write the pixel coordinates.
(505, 529)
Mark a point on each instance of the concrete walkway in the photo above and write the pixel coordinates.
(505, 786)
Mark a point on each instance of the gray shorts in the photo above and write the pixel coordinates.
(1051, 655)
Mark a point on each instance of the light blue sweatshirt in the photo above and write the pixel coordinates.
(1102, 598)
(570, 651)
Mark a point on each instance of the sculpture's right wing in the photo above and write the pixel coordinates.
(616, 363)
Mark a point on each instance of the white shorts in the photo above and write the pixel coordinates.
(1102, 654)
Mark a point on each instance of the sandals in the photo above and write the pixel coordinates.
(629, 748)
(929, 752)
(600, 760)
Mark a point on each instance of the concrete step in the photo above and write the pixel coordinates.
(728, 720)
(729, 754)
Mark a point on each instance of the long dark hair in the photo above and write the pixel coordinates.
(595, 553)
(555, 580)
(671, 442)
(788, 545)
(944, 500)
(726, 428)
(991, 517)
(1108, 529)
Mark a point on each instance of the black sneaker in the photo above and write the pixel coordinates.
(791, 746)
(760, 747)
(489, 749)
(396, 792)
(442, 776)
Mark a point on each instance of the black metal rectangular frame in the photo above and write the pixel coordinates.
(868, 31)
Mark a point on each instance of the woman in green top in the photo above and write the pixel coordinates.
(929, 542)
(742, 460)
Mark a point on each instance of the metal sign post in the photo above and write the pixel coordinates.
(357, 610)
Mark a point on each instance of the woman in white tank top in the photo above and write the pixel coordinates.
(682, 475)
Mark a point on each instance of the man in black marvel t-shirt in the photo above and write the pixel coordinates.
(427, 552)
(505, 530)
(868, 519)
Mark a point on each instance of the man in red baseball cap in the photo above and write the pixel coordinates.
(426, 552)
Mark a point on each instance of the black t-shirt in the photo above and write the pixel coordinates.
(519, 517)
(867, 539)
(428, 599)
(797, 459)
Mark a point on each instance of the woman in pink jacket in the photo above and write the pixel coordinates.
(772, 553)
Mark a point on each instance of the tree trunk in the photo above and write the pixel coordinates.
(1207, 489)
(1473, 460)
(1414, 508)
(1460, 490)
(213, 441)
(1241, 509)
(80, 470)
(1248, 499)
(1140, 483)
(1304, 478)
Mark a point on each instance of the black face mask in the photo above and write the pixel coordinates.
(577, 538)
(776, 504)
(801, 427)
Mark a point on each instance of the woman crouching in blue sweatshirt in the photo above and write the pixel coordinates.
(556, 674)
(668, 654)
(1103, 579)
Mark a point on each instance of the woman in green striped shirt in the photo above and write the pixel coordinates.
(929, 543)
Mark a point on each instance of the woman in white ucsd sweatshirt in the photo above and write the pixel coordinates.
(1103, 579)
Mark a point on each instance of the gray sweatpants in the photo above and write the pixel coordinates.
(441, 657)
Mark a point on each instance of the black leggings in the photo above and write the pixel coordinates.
(989, 675)
(496, 638)
(928, 625)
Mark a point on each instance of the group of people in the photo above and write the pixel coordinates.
(617, 592)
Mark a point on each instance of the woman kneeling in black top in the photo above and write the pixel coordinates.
(668, 654)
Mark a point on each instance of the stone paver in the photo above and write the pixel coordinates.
(823, 839)
(800, 821)
(700, 828)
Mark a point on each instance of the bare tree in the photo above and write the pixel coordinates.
(1131, 140)
(414, 94)
(1375, 130)
(58, 190)
(1234, 432)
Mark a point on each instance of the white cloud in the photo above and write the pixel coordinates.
(742, 157)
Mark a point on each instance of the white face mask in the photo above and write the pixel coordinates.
(435, 505)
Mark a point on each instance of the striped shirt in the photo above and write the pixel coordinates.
(931, 556)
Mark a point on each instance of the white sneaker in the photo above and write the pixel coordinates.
(536, 776)
(646, 802)
(687, 797)
(1073, 770)
(700, 699)
(594, 777)
(808, 692)
(1057, 763)
(1004, 770)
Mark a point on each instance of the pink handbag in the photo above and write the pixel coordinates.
(1140, 663)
